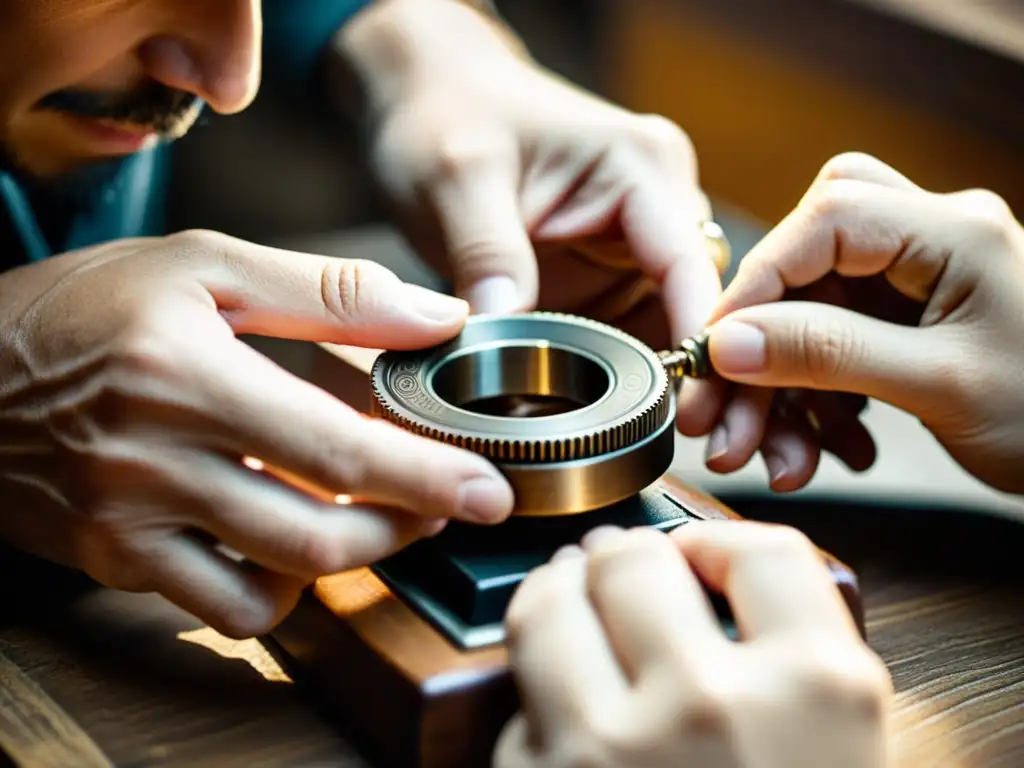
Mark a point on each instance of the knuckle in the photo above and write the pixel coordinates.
(823, 351)
(144, 350)
(111, 556)
(347, 286)
(830, 202)
(536, 597)
(661, 137)
(321, 555)
(244, 618)
(847, 165)
(700, 707)
(463, 152)
(707, 713)
(196, 242)
(838, 677)
(780, 541)
(637, 547)
(480, 256)
(989, 215)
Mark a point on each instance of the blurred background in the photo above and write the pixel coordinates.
(767, 89)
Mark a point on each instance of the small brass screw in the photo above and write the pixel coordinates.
(690, 360)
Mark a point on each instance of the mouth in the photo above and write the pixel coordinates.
(110, 137)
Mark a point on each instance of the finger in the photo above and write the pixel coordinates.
(283, 529)
(254, 408)
(700, 405)
(817, 346)
(514, 748)
(653, 608)
(858, 166)
(790, 449)
(493, 263)
(853, 228)
(662, 223)
(741, 430)
(270, 292)
(558, 650)
(663, 227)
(776, 581)
(840, 431)
(236, 600)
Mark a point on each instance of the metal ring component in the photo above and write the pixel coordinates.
(576, 414)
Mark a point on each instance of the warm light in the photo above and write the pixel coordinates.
(258, 466)
(249, 651)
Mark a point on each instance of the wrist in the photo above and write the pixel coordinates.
(391, 44)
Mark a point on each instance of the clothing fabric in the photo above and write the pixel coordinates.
(127, 198)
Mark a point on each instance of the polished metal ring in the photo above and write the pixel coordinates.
(576, 414)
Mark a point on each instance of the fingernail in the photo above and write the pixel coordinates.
(776, 468)
(601, 535)
(494, 295)
(718, 444)
(568, 552)
(737, 348)
(486, 500)
(435, 307)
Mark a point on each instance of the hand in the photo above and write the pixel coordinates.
(620, 659)
(876, 287)
(127, 405)
(522, 188)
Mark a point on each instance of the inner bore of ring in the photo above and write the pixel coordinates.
(525, 381)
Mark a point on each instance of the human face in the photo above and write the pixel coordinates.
(83, 81)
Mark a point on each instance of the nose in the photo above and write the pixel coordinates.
(212, 50)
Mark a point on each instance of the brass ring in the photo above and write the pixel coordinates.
(717, 243)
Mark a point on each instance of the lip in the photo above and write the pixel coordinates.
(113, 138)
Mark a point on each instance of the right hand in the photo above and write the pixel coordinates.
(875, 287)
(620, 660)
(127, 405)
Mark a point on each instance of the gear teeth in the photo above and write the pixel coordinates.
(617, 435)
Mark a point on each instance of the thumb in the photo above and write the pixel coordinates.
(270, 292)
(808, 345)
(492, 260)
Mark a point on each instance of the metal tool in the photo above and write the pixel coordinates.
(576, 414)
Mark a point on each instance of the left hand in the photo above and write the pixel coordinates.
(620, 660)
(524, 189)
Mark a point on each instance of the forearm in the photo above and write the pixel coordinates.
(370, 58)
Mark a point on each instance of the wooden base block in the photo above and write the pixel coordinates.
(411, 697)
(411, 693)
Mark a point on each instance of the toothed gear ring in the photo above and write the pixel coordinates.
(576, 414)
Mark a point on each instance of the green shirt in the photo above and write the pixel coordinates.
(130, 201)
